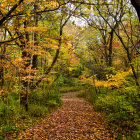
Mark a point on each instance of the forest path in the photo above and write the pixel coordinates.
(74, 120)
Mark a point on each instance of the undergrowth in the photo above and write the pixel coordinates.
(14, 118)
(120, 107)
(67, 88)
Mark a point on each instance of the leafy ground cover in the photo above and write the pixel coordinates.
(74, 120)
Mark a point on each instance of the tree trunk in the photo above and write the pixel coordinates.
(3, 51)
(24, 95)
(110, 50)
(34, 64)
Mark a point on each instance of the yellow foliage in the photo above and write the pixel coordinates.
(51, 4)
(112, 80)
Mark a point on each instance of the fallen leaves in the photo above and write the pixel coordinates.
(75, 120)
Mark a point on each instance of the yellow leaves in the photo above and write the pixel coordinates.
(94, 8)
(84, 79)
(48, 4)
(30, 1)
(112, 80)
(104, 14)
(4, 4)
(28, 11)
(124, 138)
(51, 4)
(3, 8)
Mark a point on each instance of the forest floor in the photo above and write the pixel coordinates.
(74, 120)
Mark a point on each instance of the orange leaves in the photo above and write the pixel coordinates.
(19, 62)
(34, 29)
(51, 43)
(1, 92)
(34, 50)
(48, 4)
(30, 0)
(75, 60)
(31, 29)
(28, 78)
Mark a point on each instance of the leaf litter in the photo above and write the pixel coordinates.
(74, 120)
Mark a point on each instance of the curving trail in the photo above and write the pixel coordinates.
(75, 120)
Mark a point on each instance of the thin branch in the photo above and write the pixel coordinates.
(7, 41)
(88, 3)
(10, 12)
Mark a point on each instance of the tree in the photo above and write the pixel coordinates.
(130, 40)
(136, 4)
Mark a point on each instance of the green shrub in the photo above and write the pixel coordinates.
(120, 106)
(66, 80)
(117, 108)
(37, 111)
(136, 133)
(12, 113)
(52, 105)
(54, 97)
(82, 94)
(66, 88)
(35, 98)
(10, 110)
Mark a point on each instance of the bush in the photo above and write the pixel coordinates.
(102, 72)
(117, 108)
(66, 80)
(120, 106)
(65, 89)
(35, 98)
(37, 111)
(13, 117)
(53, 97)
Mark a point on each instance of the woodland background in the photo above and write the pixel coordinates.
(48, 47)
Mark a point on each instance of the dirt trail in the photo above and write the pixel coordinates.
(75, 120)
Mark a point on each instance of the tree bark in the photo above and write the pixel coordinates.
(35, 57)
(24, 96)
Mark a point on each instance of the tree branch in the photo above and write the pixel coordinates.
(11, 11)
(7, 41)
